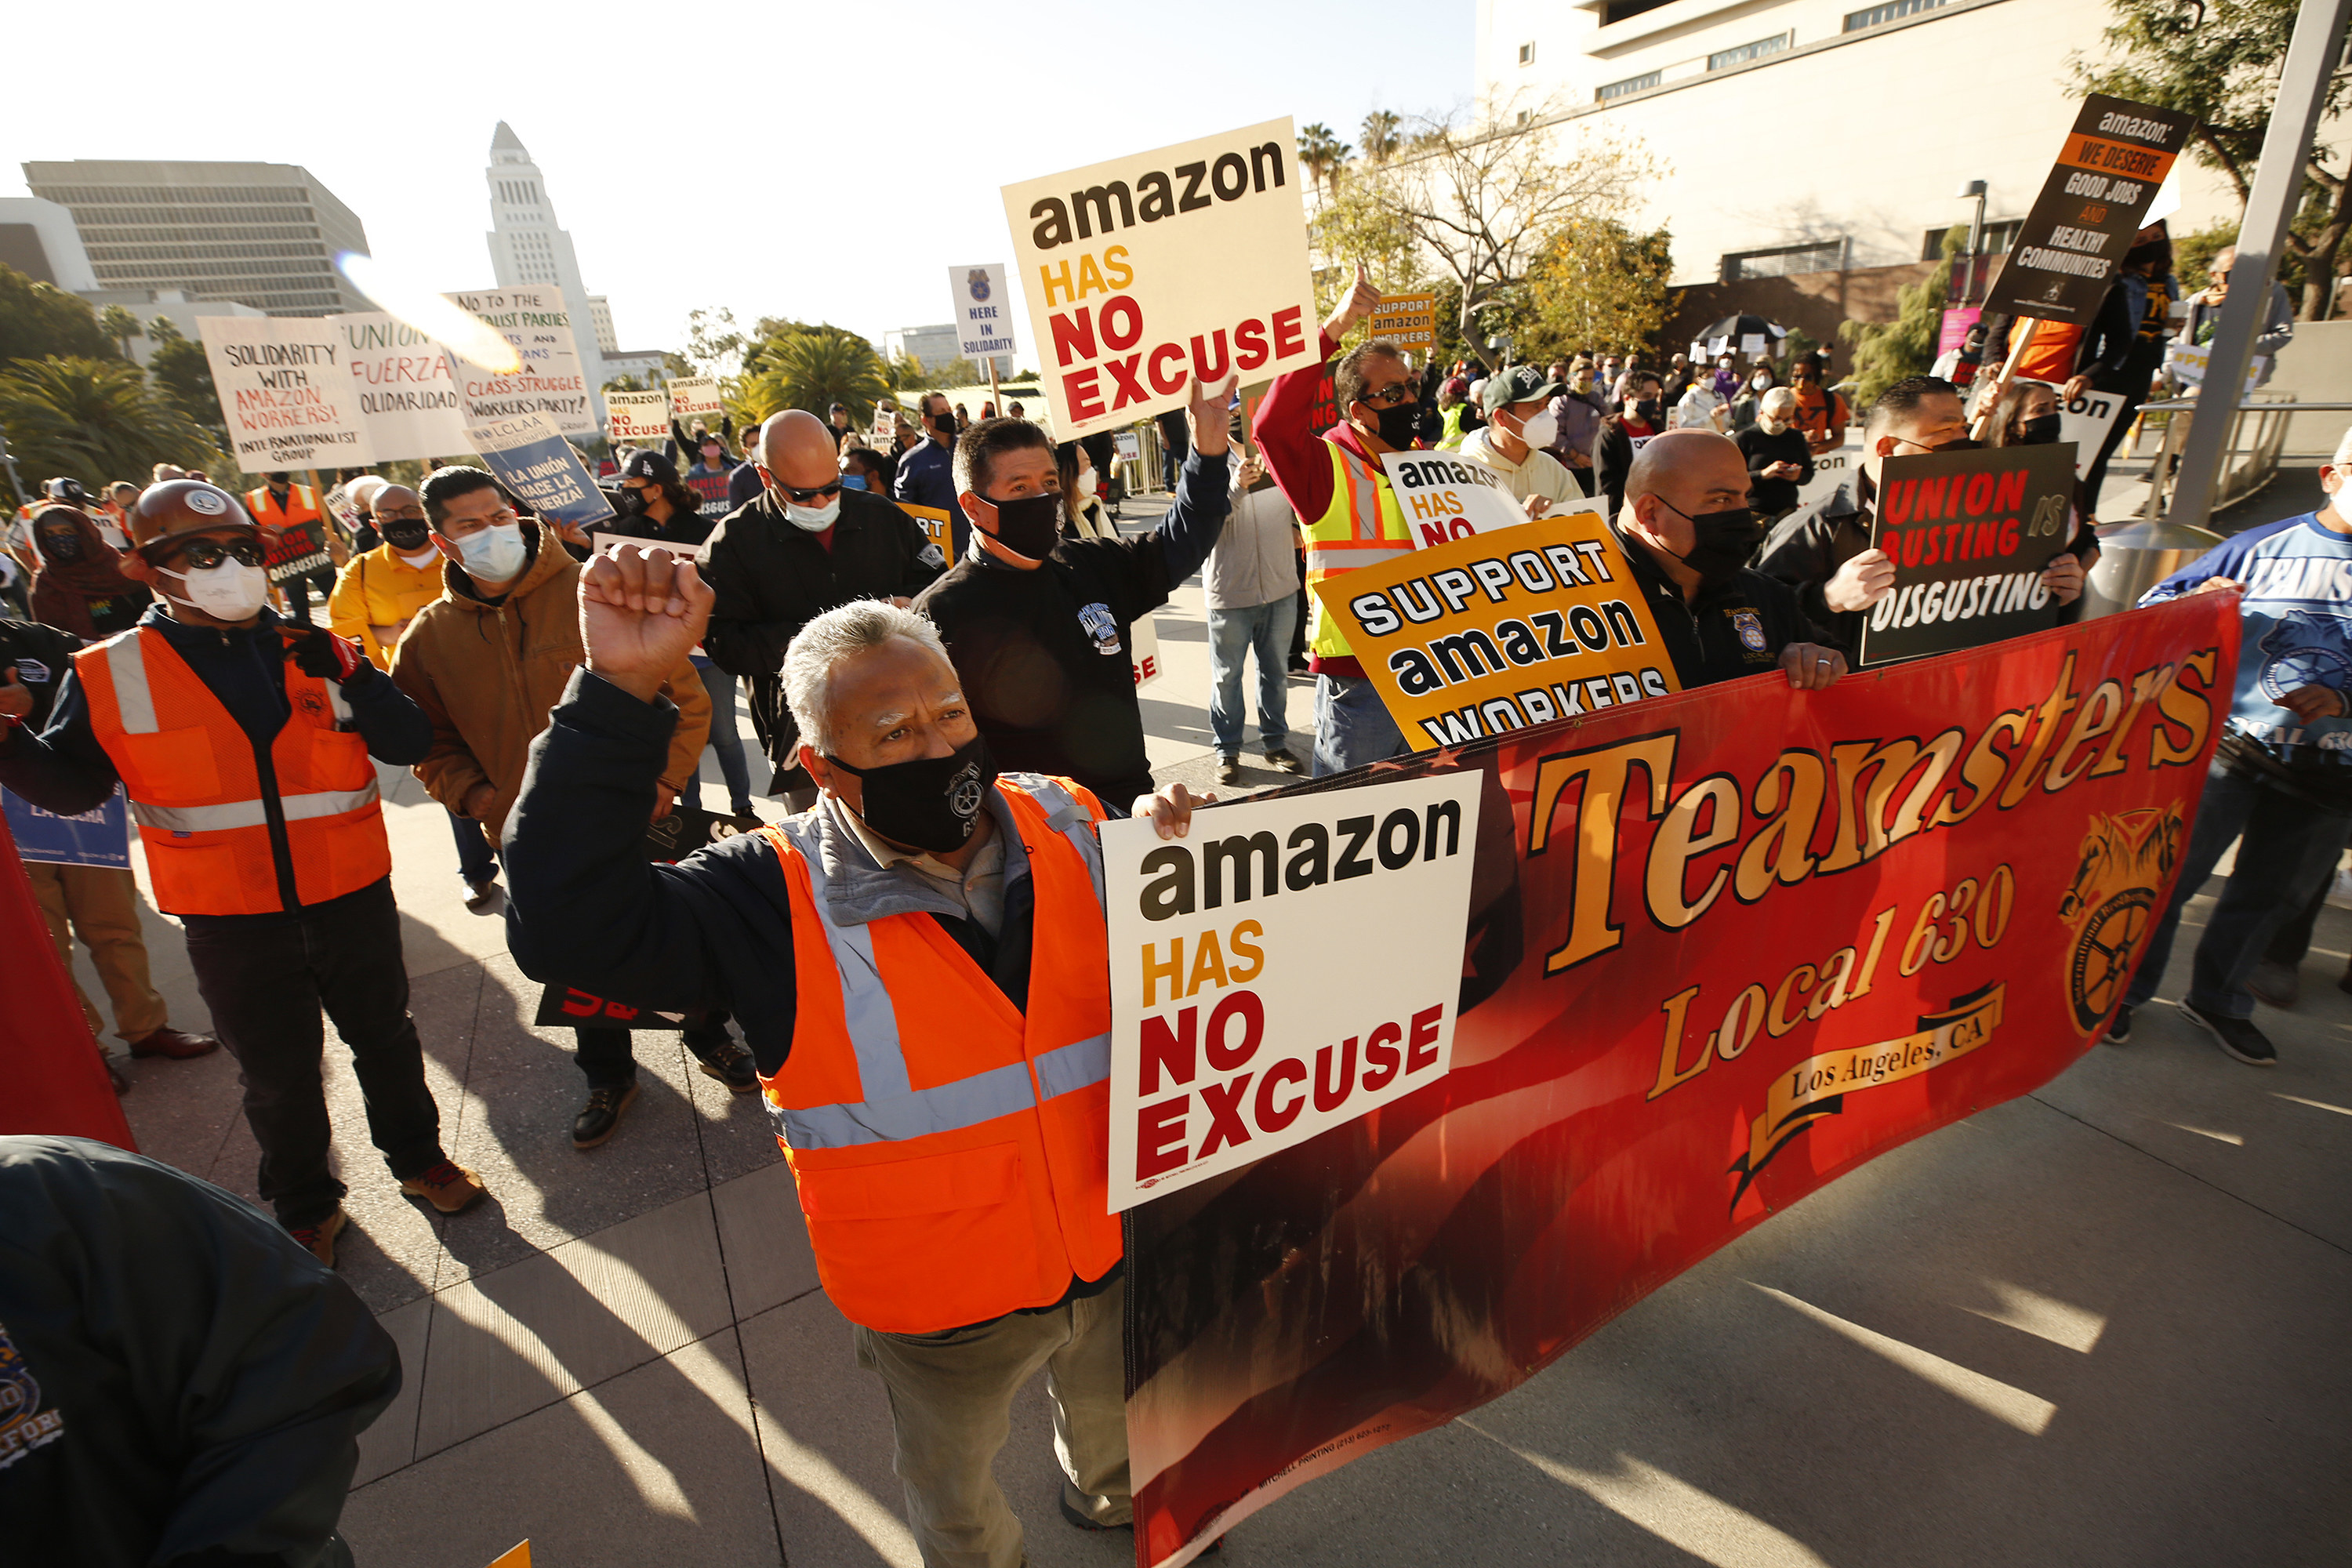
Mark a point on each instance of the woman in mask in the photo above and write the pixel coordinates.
(1748, 403)
(1638, 416)
(2027, 415)
(1778, 461)
(77, 582)
(1083, 516)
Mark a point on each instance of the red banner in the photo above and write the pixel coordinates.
(51, 1077)
(1723, 947)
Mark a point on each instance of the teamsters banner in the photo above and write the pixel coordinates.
(1724, 946)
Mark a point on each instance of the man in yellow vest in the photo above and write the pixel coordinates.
(247, 744)
(919, 965)
(1334, 483)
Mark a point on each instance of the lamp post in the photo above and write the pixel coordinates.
(1972, 189)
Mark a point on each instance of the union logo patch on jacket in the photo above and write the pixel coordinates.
(24, 1425)
(1751, 627)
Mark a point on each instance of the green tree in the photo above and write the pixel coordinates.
(94, 420)
(184, 377)
(812, 370)
(1379, 134)
(1322, 155)
(1597, 285)
(1887, 352)
(39, 320)
(2221, 63)
(120, 326)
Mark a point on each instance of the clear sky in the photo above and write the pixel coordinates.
(821, 161)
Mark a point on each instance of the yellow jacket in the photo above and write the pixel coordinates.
(380, 589)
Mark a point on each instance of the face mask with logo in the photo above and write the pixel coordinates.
(930, 803)
(1540, 430)
(405, 535)
(231, 591)
(633, 502)
(496, 554)
(1726, 540)
(815, 518)
(1029, 526)
(2038, 432)
(1649, 412)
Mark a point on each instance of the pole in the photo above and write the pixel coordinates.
(2277, 190)
(2000, 388)
(1976, 246)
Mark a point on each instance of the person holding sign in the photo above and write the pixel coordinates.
(1039, 625)
(1520, 425)
(279, 505)
(920, 964)
(1687, 532)
(1334, 483)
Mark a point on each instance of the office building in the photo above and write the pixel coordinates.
(934, 346)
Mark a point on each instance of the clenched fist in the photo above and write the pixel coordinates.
(642, 610)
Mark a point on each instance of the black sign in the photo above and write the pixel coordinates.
(568, 1004)
(1969, 534)
(2074, 240)
(687, 828)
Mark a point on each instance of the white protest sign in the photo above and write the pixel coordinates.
(1260, 992)
(692, 398)
(1145, 271)
(2185, 361)
(983, 310)
(407, 399)
(1751, 345)
(2085, 421)
(550, 382)
(1143, 650)
(638, 419)
(1444, 496)
(285, 391)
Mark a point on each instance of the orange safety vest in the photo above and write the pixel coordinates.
(953, 1154)
(2050, 356)
(299, 507)
(189, 769)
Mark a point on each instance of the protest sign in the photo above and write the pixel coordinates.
(937, 524)
(285, 391)
(710, 490)
(1444, 498)
(408, 401)
(1969, 534)
(2105, 182)
(1143, 650)
(2186, 363)
(1720, 951)
(1502, 631)
(636, 418)
(1952, 333)
(693, 397)
(1408, 320)
(1128, 444)
(568, 1006)
(2085, 422)
(1145, 271)
(1751, 345)
(298, 550)
(984, 311)
(539, 325)
(99, 836)
(542, 468)
(1229, 1040)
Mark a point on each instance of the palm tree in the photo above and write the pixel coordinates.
(1380, 133)
(121, 326)
(814, 370)
(94, 420)
(1322, 153)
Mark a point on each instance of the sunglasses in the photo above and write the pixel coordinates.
(803, 498)
(203, 555)
(1390, 394)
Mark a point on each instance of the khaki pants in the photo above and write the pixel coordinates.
(101, 905)
(950, 1411)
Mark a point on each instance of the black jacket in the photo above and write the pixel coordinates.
(772, 578)
(1726, 635)
(42, 657)
(65, 770)
(1613, 456)
(1771, 498)
(189, 1384)
(1809, 545)
(1044, 653)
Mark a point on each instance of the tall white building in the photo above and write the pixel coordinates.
(528, 247)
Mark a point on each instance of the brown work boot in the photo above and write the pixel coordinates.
(321, 1238)
(447, 1186)
(176, 1043)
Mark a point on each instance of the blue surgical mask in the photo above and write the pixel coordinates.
(852, 481)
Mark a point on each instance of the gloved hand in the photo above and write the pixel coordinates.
(318, 651)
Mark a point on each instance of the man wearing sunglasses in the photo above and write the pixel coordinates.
(247, 744)
(1334, 483)
(803, 545)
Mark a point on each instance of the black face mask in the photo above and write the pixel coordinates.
(408, 537)
(931, 803)
(62, 548)
(1030, 526)
(945, 425)
(1726, 540)
(1397, 425)
(2038, 432)
(1648, 412)
(633, 502)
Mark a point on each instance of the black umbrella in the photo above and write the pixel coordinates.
(1728, 331)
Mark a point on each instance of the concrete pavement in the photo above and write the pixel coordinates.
(2104, 1324)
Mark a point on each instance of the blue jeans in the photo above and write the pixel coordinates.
(1233, 635)
(475, 861)
(724, 738)
(1352, 726)
(2286, 848)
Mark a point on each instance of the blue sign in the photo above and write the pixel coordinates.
(101, 837)
(533, 461)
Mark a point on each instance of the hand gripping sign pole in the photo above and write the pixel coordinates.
(2311, 59)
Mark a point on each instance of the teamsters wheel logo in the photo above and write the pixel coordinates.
(2305, 648)
(977, 281)
(206, 502)
(964, 792)
(2127, 860)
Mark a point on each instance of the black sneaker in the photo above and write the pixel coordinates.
(1282, 757)
(1229, 770)
(2236, 1036)
(600, 1117)
(2119, 1027)
(721, 1058)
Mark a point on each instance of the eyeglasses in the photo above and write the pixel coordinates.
(203, 555)
(803, 496)
(1391, 395)
(406, 514)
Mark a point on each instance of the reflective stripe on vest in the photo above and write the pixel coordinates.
(892, 1111)
(132, 700)
(250, 813)
(1352, 533)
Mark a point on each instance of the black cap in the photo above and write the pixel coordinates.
(66, 490)
(649, 465)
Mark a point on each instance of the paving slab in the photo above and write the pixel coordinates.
(763, 1240)
(390, 1443)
